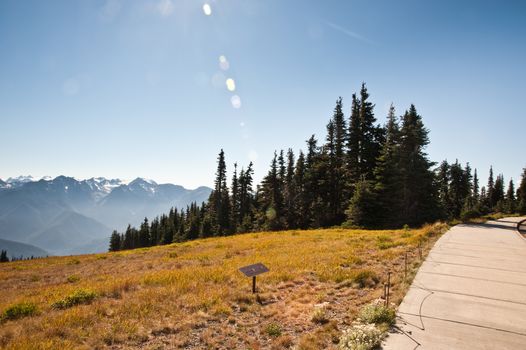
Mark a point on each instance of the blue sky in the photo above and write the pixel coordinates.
(135, 88)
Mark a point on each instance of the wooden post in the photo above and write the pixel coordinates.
(388, 288)
(405, 267)
(253, 284)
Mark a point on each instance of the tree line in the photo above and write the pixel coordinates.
(362, 174)
(5, 258)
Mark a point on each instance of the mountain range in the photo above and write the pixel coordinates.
(68, 216)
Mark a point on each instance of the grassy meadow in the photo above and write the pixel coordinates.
(191, 295)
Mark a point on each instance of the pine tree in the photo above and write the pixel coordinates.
(354, 142)
(498, 194)
(115, 241)
(235, 201)
(219, 212)
(311, 189)
(521, 194)
(144, 234)
(246, 195)
(301, 196)
(490, 189)
(3, 256)
(476, 194)
(510, 198)
(290, 192)
(270, 198)
(443, 179)
(419, 197)
(328, 179)
(340, 186)
(371, 136)
(128, 241)
(362, 211)
(387, 175)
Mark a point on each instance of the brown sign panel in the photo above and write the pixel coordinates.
(254, 270)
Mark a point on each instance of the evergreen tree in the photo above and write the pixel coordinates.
(340, 185)
(362, 211)
(220, 200)
(270, 198)
(115, 241)
(443, 179)
(510, 199)
(128, 241)
(387, 175)
(328, 179)
(476, 194)
(144, 234)
(354, 142)
(490, 189)
(311, 188)
(290, 192)
(246, 195)
(419, 197)
(235, 201)
(3, 256)
(302, 205)
(521, 194)
(371, 136)
(498, 194)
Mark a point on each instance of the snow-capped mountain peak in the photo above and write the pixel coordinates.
(20, 179)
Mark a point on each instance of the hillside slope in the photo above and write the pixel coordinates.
(17, 249)
(191, 295)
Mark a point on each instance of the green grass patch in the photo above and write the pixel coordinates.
(19, 310)
(80, 296)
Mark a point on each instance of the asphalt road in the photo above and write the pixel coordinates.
(470, 292)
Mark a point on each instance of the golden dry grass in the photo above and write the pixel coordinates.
(191, 295)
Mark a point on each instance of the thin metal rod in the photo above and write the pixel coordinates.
(388, 287)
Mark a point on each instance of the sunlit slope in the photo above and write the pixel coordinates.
(191, 295)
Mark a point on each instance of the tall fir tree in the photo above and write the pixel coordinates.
(3, 256)
(498, 194)
(521, 194)
(115, 241)
(490, 189)
(419, 198)
(235, 201)
(510, 204)
(290, 192)
(387, 175)
(353, 143)
(371, 136)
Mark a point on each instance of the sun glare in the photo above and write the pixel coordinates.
(207, 9)
(231, 84)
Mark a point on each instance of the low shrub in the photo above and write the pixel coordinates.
(320, 315)
(377, 314)
(19, 310)
(80, 296)
(361, 337)
(273, 329)
(73, 279)
(366, 278)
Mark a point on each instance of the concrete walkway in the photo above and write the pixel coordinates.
(470, 292)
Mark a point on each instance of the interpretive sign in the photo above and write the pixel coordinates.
(253, 271)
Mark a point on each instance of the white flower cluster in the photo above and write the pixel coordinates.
(361, 337)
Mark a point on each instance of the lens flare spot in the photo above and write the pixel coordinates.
(231, 84)
(207, 9)
(223, 63)
(236, 101)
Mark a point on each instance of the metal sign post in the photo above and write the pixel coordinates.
(253, 271)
